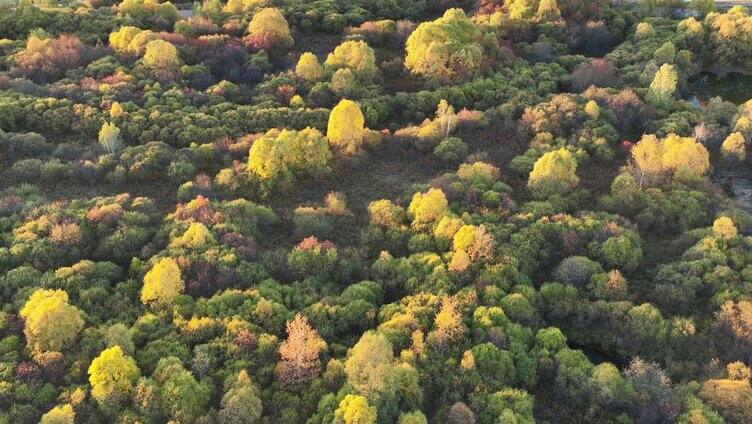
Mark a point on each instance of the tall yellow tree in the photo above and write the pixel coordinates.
(448, 48)
(428, 207)
(555, 172)
(270, 23)
(112, 376)
(163, 283)
(51, 324)
(309, 68)
(346, 127)
(161, 54)
(356, 56)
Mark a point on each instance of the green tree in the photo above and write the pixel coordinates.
(241, 404)
(279, 156)
(181, 395)
(370, 367)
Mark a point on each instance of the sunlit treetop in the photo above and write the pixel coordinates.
(51, 323)
(346, 127)
(671, 154)
(554, 173)
(428, 207)
(448, 48)
(724, 227)
(161, 54)
(163, 283)
(354, 55)
(309, 68)
(270, 23)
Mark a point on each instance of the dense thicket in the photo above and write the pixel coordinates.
(372, 211)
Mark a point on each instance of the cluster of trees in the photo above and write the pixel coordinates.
(362, 212)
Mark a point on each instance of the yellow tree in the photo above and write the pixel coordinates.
(354, 409)
(163, 283)
(121, 39)
(59, 415)
(195, 237)
(346, 127)
(269, 23)
(664, 81)
(685, 154)
(50, 322)
(428, 207)
(278, 155)
(354, 55)
(646, 155)
(109, 137)
(309, 68)
(449, 326)
(370, 367)
(734, 147)
(724, 227)
(548, 10)
(112, 376)
(674, 153)
(448, 48)
(161, 54)
(555, 172)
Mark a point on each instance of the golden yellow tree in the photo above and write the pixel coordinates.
(163, 283)
(270, 23)
(50, 322)
(449, 326)
(685, 154)
(555, 172)
(652, 156)
(121, 39)
(356, 56)
(112, 376)
(309, 68)
(196, 236)
(724, 227)
(63, 414)
(354, 409)
(428, 207)
(161, 54)
(734, 147)
(346, 127)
